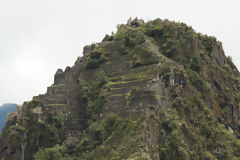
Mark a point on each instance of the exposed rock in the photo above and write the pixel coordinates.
(218, 54)
(59, 77)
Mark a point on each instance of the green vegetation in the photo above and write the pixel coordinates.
(94, 95)
(130, 43)
(29, 126)
(195, 116)
(143, 57)
(57, 152)
(164, 68)
(174, 39)
(95, 58)
(191, 131)
(130, 95)
(111, 138)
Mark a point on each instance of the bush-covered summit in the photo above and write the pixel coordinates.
(152, 90)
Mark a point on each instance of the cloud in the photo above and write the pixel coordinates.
(37, 37)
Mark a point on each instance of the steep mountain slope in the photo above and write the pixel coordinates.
(4, 110)
(155, 90)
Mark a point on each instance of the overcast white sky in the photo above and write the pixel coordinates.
(39, 36)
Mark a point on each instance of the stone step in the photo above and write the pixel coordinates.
(62, 92)
(126, 112)
(116, 104)
(55, 88)
(116, 67)
(119, 91)
(55, 101)
(80, 121)
(130, 84)
(144, 100)
(74, 125)
(144, 93)
(55, 105)
(80, 127)
(116, 101)
(115, 109)
(117, 97)
(75, 122)
(75, 115)
(58, 96)
(117, 74)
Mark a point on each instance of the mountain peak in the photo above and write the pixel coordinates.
(152, 90)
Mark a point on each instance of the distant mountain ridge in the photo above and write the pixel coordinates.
(4, 110)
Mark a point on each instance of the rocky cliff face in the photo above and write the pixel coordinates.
(155, 90)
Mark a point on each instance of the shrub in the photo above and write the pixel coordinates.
(95, 58)
(55, 153)
(164, 68)
(142, 56)
(94, 96)
(166, 79)
(195, 64)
